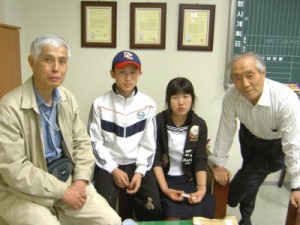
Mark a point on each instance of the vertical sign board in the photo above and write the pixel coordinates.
(270, 28)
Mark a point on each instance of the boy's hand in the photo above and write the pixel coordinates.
(135, 183)
(121, 178)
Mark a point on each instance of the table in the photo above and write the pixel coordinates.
(231, 219)
(177, 222)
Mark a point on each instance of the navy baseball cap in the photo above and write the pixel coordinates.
(124, 58)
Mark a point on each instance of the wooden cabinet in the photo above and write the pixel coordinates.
(10, 58)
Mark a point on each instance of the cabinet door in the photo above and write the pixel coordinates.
(10, 59)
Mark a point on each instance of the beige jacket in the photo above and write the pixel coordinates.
(23, 169)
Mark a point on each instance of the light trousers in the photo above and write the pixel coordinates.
(96, 211)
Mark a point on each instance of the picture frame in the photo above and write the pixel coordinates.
(148, 25)
(196, 27)
(98, 24)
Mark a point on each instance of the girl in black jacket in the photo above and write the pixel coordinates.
(181, 160)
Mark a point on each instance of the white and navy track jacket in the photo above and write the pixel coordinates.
(123, 130)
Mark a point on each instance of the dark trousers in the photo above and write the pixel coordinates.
(260, 158)
(145, 203)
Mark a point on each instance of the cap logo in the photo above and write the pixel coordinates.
(128, 55)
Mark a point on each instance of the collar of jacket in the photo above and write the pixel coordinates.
(29, 99)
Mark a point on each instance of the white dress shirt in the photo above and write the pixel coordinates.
(276, 115)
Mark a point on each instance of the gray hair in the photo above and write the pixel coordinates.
(260, 63)
(47, 40)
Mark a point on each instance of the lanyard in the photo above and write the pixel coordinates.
(55, 127)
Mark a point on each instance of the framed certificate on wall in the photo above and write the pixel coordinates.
(196, 27)
(98, 24)
(147, 25)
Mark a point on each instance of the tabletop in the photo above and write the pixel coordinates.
(177, 222)
(228, 220)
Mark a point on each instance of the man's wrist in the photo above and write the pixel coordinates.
(295, 189)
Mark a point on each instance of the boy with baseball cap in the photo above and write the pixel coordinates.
(122, 130)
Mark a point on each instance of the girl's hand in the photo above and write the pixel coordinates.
(174, 195)
(197, 196)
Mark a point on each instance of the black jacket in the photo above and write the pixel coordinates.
(195, 156)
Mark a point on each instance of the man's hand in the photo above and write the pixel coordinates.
(120, 178)
(135, 183)
(75, 195)
(221, 175)
(295, 199)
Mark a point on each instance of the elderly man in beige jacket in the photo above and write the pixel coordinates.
(46, 159)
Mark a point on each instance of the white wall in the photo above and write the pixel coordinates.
(88, 75)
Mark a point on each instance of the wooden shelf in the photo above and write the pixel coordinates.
(10, 58)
